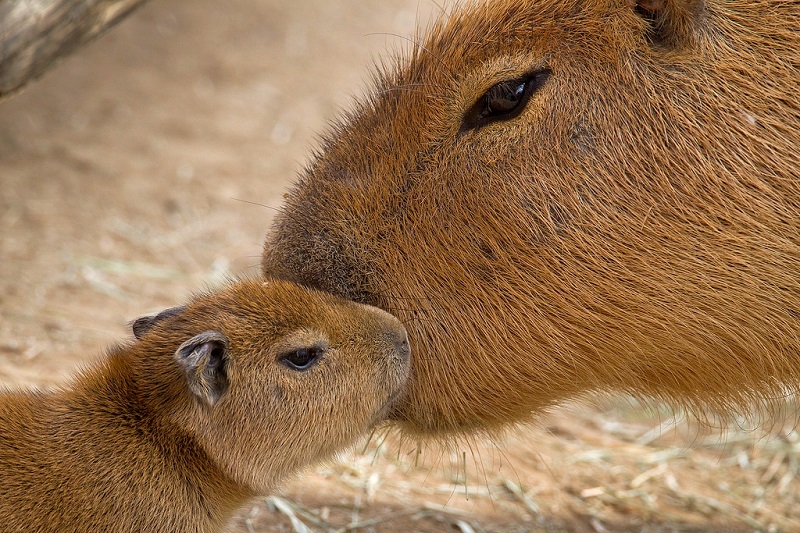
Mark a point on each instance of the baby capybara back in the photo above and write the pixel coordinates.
(561, 196)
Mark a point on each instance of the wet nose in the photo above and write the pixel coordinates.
(395, 336)
(392, 332)
(401, 344)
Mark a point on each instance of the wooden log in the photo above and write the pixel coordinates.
(36, 34)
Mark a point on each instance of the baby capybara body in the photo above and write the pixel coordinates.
(213, 404)
(559, 196)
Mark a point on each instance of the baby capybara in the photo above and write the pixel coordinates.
(213, 404)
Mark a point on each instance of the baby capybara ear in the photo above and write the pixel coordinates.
(204, 359)
(144, 324)
(673, 23)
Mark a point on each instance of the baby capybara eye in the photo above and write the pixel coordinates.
(504, 100)
(302, 358)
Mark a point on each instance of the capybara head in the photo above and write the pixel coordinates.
(558, 196)
(272, 376)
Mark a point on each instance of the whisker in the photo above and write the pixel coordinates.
(420, 46)
(407, 87)
(442, 10)
(279, 210)
(255, 203)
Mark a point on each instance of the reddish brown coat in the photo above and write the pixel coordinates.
(146, 441)
(636, 228)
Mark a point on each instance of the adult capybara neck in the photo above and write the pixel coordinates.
(563, 196)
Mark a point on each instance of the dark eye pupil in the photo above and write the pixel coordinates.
(301, 359)
(503, 101)
(504, 97)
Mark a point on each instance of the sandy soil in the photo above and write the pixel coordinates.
(148, 166)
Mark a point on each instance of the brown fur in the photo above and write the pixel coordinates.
(130, 447)
(636, 228)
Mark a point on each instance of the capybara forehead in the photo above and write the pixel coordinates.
(486, 31)
(264, 310)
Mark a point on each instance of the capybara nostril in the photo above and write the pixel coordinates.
(399, 339)
(394, 333)
(341, 273)
(404, 347)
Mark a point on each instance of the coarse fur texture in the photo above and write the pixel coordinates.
(175, 431)
(635, 228)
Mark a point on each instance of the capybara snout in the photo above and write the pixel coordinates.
(563, 196)
(214, 403)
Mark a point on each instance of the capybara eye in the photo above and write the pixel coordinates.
(302, 358)
(503, 101)
(504, 97)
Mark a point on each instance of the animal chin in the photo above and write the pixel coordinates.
(388, 411)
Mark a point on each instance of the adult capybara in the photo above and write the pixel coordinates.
(213, 404)
(559, 196)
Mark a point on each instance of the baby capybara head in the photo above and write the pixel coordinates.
(274, 376)
(559, 196)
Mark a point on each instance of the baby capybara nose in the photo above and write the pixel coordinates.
(394, 335)
(402, 346)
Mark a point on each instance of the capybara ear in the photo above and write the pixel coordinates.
(204, 360)
(674, 23)
(144, 324)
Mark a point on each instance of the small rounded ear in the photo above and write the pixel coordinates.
(144, 324)
(204, 360)
(674, 23)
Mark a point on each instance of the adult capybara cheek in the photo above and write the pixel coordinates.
(460, 384)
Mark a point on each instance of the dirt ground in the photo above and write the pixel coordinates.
(148, 166)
